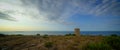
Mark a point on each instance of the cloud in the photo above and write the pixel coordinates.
(6, 17)
(55, 10)
(16, 9)
(106, 7)
(60, 10)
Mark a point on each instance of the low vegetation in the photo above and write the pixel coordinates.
(2, 35)
(67, 42)
(97, 46)
(70, 34)
(113, 41)
(48, 45)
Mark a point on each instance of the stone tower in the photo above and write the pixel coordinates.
(77, 31)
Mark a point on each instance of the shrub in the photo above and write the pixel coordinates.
(70, 34)
(38, 34)
(45, 36)
(19, 35)
(2, 35)
(100, 35)
(48, 44)
(0, 48)
(97, 46)
(113, 41)
(114, 35)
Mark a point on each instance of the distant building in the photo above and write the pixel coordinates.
(77, 31)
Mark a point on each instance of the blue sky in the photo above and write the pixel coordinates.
(59, 15)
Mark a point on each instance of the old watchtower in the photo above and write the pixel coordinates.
(77, 32)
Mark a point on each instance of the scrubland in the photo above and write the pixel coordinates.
(30, 42)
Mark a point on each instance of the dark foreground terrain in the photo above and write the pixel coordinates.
(20, 42)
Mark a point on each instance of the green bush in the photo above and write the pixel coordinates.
(113, 41)
(38, 34)
(19, 35)
(70, 34)
(114, 35)
(45, 36)
(2, 35)
(0, 48)
(97, 46)
(48, 44)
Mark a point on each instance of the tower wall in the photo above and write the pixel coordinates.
(77, 31)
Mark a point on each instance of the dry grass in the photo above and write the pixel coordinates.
(38, 42)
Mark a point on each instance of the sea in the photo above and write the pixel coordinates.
(104, 33)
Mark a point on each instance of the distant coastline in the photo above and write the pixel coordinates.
(104, 33)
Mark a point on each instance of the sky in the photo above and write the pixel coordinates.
(59, 15)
